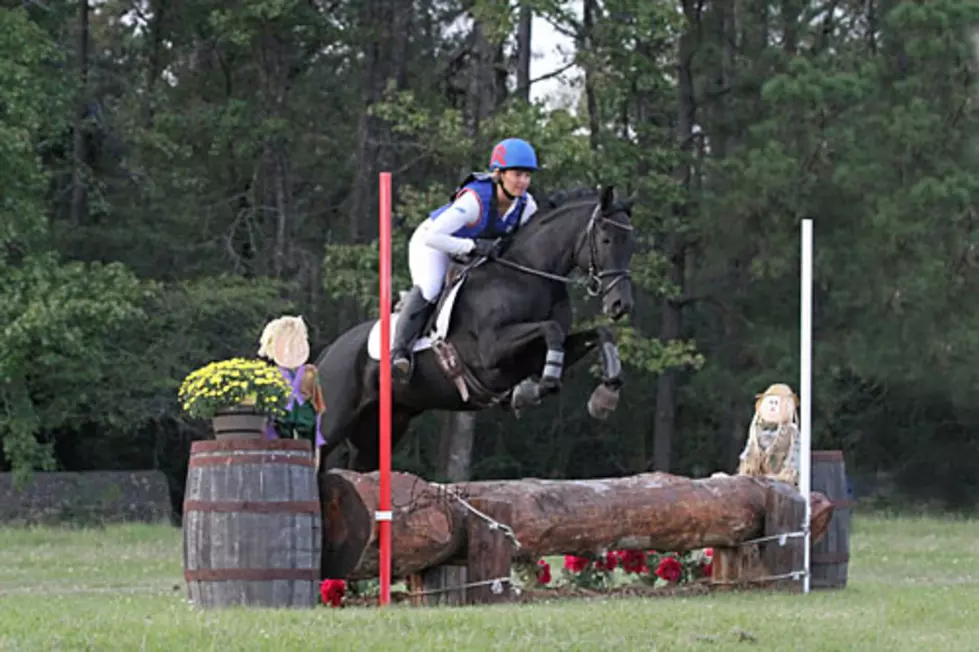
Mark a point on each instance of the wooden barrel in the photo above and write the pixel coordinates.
(830, 559)
(252, 524)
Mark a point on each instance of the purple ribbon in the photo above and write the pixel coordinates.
(294, 381)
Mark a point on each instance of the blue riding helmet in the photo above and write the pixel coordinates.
(513, 153)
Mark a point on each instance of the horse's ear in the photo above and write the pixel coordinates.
(608, 195)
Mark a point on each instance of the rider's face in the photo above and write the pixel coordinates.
(516, 182)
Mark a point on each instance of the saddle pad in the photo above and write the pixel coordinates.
(442, 321)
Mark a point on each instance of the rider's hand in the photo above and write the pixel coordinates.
(485, 247)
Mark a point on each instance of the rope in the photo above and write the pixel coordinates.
(782, 538)
(496, 585)
(767, 578)
(493, 524)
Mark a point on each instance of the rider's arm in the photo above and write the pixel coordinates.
(463, 211)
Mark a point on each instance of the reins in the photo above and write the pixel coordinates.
(593, 282)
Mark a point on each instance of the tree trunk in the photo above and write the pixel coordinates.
(524, 51)
(273, 192)
(483, 95)
(386, 25)
(724, 113)
(154, 59)
(594, 121)
(79, 184)
(790, 26)
(664, 422)
(456, 445)
(646, 511)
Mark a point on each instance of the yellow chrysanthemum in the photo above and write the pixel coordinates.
(230, 382)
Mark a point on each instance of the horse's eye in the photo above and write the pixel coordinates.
(606, 240)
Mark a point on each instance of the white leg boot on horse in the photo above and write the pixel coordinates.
(411, 320)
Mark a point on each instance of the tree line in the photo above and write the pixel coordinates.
(176, 174)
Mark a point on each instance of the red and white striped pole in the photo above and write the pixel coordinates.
(383, 515)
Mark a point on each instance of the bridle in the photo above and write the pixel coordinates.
(595, 275)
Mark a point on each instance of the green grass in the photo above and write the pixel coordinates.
(914, 585)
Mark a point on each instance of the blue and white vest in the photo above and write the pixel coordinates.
(490, 224)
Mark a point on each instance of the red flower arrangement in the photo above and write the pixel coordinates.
(332, 592)
(633, 561)
(609, 562)
(576, 564)
(543, 572)
(670, 569)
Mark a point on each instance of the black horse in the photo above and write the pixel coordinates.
(511, 322)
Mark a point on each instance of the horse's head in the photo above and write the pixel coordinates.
(575, 230)
(605, 253)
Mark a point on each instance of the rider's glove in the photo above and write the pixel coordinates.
(483, 247)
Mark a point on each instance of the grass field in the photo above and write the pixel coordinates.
(914, 585)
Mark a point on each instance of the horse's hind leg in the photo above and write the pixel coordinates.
(366, 439)
(336, 456)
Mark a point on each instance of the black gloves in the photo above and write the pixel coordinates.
(489, 248)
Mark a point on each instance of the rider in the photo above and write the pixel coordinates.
(485, 207)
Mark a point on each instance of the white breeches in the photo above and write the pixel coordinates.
(426, 265)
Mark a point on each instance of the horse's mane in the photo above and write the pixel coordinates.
(558, 199)
(549, 207)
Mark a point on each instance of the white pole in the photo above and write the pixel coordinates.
(805, 390)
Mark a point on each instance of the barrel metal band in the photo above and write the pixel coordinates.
(251, 574)
(234, 445)
(253, 506)
(260, 458)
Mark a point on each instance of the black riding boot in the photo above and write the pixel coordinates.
(414, 314)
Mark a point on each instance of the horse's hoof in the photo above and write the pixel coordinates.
(524, 394)
(603, 401)
(548, 385)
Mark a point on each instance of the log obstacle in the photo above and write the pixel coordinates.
(482, 575)
(427, 528)
(433, 525)
(773, 558)
(252, 524)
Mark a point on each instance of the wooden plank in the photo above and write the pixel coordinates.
(784, 514)
(489, 553)
(442, 585)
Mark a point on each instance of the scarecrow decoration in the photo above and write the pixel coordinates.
(286, 342)
(772, 449)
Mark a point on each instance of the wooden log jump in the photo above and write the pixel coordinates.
(433, 525)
